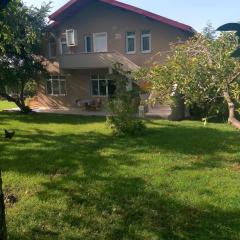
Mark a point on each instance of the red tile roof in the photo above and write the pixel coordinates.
(75, 5)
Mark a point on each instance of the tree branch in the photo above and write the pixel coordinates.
(232, 79)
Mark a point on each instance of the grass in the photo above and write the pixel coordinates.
(73, 180)
(6, 105)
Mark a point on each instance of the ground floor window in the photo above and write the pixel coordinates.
(101, 86)
(56, 85)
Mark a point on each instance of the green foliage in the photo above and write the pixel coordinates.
(209, 31)
(30, 89)
(123, 104)
(74, 180)
(234, 27)
(21, 35)
(202, 69)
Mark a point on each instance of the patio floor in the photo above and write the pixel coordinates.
(163, 112)
(72, 111)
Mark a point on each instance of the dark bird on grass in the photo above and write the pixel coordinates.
(9, 135)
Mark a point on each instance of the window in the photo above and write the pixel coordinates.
(130, 42)
(56, 85)
(88, 43)
(100, 42)
(71, 38)
(102, 86)
(146, 42)
(63, 45)
(52, 48)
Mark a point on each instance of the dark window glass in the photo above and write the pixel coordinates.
(146, 32)
(146, 44)
(130, 34)
(55, 84)
(49, 87)
(95, 88)
(145, 41)
(131, 45)
(103, 87)
(130, 41)
(88, 44)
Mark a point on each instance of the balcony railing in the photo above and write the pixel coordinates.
(95, 60)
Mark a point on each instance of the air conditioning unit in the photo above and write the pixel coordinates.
(71, 37)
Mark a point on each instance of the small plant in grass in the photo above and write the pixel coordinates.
(123, 104)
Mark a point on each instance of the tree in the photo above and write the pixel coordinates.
(3, 228)
(234, 27)
(209, 31)
(21, 36)
(202, 71)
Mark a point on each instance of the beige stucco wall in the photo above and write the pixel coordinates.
(78, 86)
(99, 17)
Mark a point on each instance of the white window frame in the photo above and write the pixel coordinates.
(85, 42)
(59, 79)
(74, 37)
(150, 41)
(94, 39)
(135, 42)
(99, 79)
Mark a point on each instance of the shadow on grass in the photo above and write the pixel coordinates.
(103, 203)
(44, 151)
(123, 208)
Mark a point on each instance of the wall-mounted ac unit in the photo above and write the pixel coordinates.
(71, 37)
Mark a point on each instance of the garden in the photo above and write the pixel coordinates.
(75, 177)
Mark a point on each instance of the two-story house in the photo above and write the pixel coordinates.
(88, 36)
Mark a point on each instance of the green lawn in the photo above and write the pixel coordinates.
(6, 105)
(74, 181)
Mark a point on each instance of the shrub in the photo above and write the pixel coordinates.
(123, 104)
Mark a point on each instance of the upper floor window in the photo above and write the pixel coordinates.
(52, 48)
(63, 45)
(146, 41)
(88, 43)
(56, 85)
(100, 43)
(71, 37)
(101, 86)
(130, 42)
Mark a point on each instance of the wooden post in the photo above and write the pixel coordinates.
(3, 228)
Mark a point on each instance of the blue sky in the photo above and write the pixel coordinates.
(192, 12)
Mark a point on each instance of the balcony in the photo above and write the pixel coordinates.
(95, 60)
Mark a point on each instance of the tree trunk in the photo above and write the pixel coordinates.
(231, 109)
(19, 102)
(22, 106)
(3, 228)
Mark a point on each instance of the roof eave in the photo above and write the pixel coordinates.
(58, 15)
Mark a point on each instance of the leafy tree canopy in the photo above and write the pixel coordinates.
(21, 36)
(202, 70)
